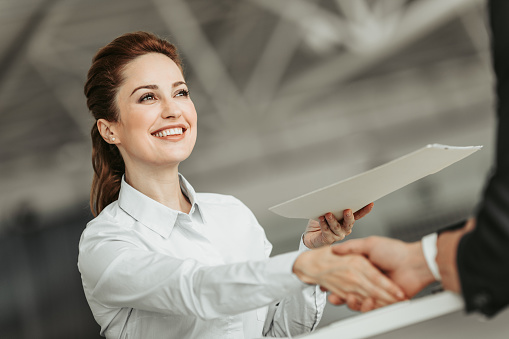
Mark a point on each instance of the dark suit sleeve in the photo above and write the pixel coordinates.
(483, 255)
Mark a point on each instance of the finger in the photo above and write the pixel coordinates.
(382, 288)
(327, 234)
(380, 303)
(323, 289)
(348, 221)
(368, 289)
(355, 246)
(353, 302)
(367, 305)
(336, 300)
(367, 281)
(335, 226)
(363, 281)
(363, 211)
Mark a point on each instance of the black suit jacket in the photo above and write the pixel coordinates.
(483, 254)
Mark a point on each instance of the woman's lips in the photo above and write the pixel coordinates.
(177, 131)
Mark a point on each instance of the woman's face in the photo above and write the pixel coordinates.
(157, 123)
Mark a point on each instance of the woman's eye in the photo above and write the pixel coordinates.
(147, 96)
(182, 93)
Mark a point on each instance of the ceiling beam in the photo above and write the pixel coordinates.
(420, 18)
(272, 63)
(43, 54)
(19, 44)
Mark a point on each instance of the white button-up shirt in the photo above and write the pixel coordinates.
(152, 272)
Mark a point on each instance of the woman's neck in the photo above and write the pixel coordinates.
(162, 185)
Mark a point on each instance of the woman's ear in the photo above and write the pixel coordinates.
(107, 130)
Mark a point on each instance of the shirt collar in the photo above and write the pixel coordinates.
(152, 214)
(189, 191)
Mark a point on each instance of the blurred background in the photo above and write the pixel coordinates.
(291, 95)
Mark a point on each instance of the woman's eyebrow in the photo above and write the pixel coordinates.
(175, 84)
(178, 83)
(145, 86)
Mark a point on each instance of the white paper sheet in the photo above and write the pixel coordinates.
(358, 191)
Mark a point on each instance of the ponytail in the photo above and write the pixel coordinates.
(108, 168)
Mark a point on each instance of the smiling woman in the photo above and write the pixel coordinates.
(161, 105)
(104, 78)
(162, 261)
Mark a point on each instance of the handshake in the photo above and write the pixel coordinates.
(371, 272)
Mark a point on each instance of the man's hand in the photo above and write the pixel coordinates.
(345, 275)
(329, 229)
(447, 248)
(402, 262)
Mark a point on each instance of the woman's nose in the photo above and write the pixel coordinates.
(171, 109)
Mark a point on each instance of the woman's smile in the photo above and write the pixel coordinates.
(173, 133)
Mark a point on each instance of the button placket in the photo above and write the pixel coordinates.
(210, 254)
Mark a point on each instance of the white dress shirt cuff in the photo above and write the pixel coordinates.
(429, 248)
(302, 247)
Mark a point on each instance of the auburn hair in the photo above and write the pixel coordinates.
(105, 76)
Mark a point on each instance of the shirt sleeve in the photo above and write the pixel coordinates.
(118, 273)
(298, 313)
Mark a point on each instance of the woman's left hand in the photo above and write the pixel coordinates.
(329, 230)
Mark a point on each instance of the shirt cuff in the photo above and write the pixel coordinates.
(429, 248)
(302, 247)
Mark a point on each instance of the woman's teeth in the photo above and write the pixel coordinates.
(171, 131)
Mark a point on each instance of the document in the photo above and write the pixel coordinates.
(358, 191)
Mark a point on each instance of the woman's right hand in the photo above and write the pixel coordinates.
(328, 229)
(347, 277)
